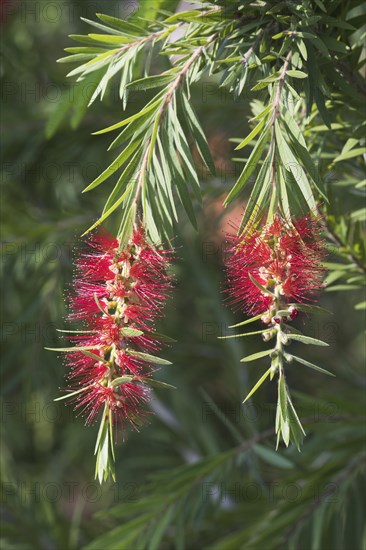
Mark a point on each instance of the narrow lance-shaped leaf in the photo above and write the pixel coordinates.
(258, 384)
(249, 167)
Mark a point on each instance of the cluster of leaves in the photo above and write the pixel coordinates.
(219, 487)
(156, 135)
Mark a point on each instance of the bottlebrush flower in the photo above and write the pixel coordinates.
(118, 295)
(280, 257)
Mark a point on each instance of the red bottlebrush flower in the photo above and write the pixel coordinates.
(118, 295)
(283, 258)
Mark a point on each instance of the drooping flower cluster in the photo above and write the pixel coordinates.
(118, 295)
(283, 259)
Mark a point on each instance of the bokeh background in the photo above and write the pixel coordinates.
(49, 499)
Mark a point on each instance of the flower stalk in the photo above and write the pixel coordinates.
(272, 273)
(119, 293)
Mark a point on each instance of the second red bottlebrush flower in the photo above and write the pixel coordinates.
(119, 292)
(280, 259)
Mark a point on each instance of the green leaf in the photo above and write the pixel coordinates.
(311, 365)
(258, 384)
(296, 74)
(179, 180)
(154, 135)
(157, 383)
(103, 455)
(256, 356)
(99, 62)
(148, 358)
(185, 199)
(198, 134)
(302, 49)
(249, 168)
(251, 320)
(122, 25)
(160, 528)
(150, 82)
(76, 58)
(350, 154)
(297, 431)
(77, 331)
(128, 176)
(246, 334)
(101, 27)
(116, 164)
(261, 287)
(109, 39)
(259, 197)
(121, 380)
(273, 458)
(306, 340)
(130, 332)
(252, 135)
(265, 82)
(74, 349)
(110, 210)
(85, 49)
(71, 394)
(292, 164)
(282, 393)
(143, 113)
(94, 356)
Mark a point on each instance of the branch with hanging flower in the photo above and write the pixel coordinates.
(276, 262)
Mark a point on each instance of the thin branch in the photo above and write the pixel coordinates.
(276, 114)
(145, 39)
(281, 83)
(161, 112)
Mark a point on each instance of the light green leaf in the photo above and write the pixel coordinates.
(122, 25)
(258, 384)
(116, 164)
(74, 349)
(109, 39)
(306, 340)
(240, 335)
(273, 458)
(251, 320)
(110, 210)
(292, 164)
(252, 135)
(143, 113)
(150, 82)
(130, 332)
(351, 154)
(71, 394)
(296, 74)
(198, 134)
(157, 383)
(121, 380)
(256, 356)
(261, 287)
(148, 358)
(311, 365)
(249, 167)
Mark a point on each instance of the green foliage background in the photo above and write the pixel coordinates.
(203, 473)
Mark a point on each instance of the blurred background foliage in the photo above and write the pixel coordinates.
(203, 472)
